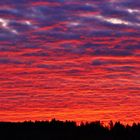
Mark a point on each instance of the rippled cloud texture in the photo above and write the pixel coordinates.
(70, 59)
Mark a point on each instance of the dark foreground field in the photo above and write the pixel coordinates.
(58, 130)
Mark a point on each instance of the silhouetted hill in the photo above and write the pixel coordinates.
(68, 130)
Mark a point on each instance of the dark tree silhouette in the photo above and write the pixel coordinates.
(68, 130)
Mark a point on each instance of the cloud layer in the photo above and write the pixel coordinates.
(70, 59)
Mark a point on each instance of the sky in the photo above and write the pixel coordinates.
(70, 60)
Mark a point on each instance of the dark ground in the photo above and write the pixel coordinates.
(68, 130)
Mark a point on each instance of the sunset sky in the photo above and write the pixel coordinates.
(70, 59)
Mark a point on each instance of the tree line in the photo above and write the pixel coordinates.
(68, 130)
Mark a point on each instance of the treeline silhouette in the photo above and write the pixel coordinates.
(68, 130)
